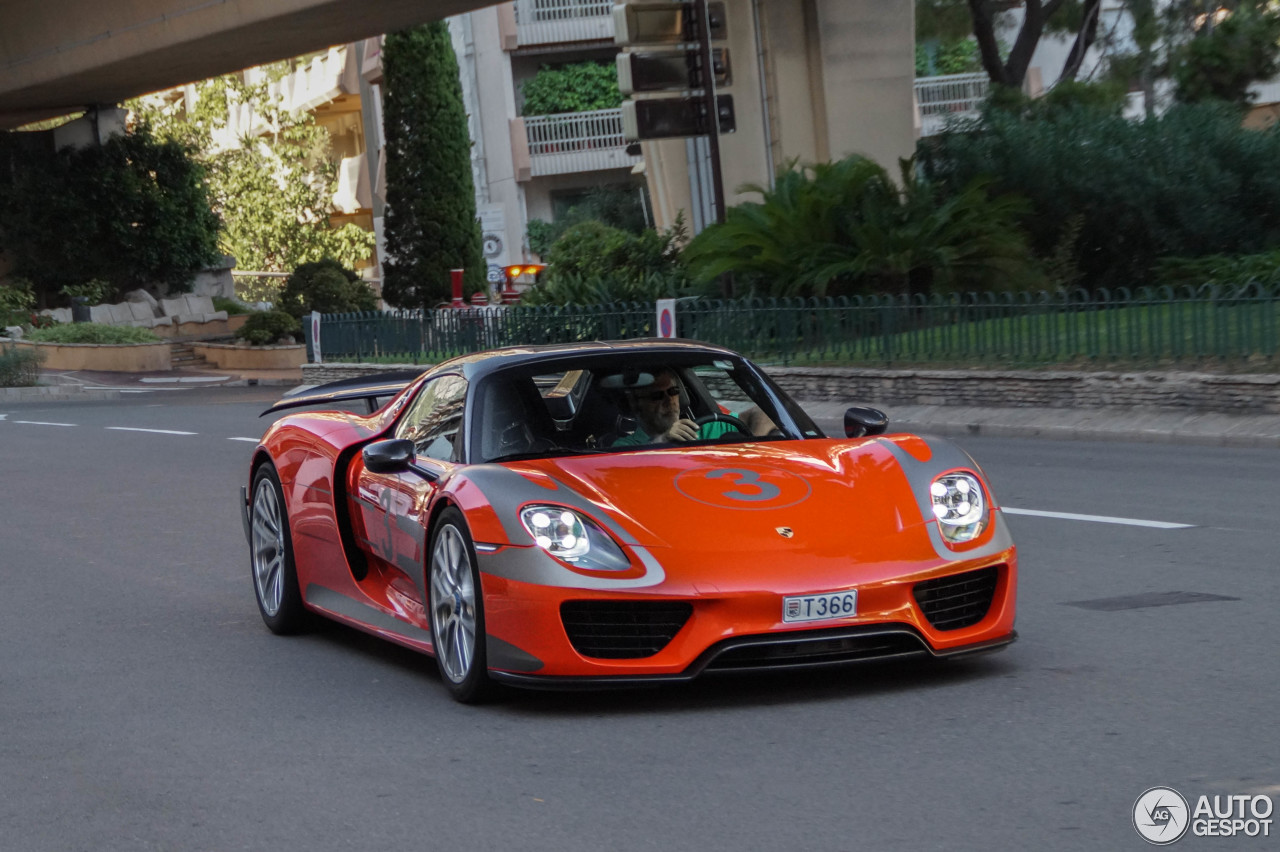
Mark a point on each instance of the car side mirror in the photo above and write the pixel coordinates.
(861, 421)
(394, 455)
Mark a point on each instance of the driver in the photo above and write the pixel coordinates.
(657, 406)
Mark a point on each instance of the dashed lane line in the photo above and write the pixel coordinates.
(152, 431)
(250, 440)
(40, 423)
(1098, 519)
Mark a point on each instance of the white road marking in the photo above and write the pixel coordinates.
(1097, 519)
(40, 423)
(250, 440)
(3, 416)
(152, 431)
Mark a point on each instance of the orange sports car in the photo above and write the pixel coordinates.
(620, 513)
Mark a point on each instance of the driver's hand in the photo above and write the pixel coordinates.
(682, 430)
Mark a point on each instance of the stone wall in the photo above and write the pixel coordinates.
(1178, 391)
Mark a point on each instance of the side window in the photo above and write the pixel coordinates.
(434, 420)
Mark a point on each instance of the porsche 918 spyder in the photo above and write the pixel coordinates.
(611, 513)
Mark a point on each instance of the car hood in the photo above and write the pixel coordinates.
(841, 499)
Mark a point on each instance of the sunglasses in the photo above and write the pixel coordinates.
(658, 396)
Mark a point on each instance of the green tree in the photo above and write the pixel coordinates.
(1187, 183)
(431, 224)
(274, 191)
(131, 212)
(848, 227)
(1226, 57)
(944, 20)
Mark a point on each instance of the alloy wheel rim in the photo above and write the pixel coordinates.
(453, 600)
(268, 549)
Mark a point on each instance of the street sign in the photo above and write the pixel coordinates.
(671, 118)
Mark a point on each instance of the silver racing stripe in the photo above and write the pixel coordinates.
(534, 565)
(506, 491)
(945, 457)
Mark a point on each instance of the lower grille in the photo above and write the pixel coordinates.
(960, 600)
(618, 630)
(814, 648)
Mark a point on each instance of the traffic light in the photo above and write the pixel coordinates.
(667, 118)
(664, 22)
(686, 63)
(665, 70)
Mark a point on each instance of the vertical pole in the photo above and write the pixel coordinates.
(456, 276)
(709, 100)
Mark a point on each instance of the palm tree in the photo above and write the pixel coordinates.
(846, 227)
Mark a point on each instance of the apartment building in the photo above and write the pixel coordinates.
(812, 80)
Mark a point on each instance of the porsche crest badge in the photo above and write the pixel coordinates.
(785, 532)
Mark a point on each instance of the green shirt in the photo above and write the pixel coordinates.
(714, 429)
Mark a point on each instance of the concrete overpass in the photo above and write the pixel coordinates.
(59, 56)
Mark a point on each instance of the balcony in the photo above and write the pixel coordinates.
(569, 142)
(939, 99)
(544, 22)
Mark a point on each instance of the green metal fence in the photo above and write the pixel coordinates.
(1021, 329)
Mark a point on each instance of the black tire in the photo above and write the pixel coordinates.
(271, 565)
(455, 607)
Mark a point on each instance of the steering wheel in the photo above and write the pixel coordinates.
(723, 418)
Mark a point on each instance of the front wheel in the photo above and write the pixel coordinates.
(275, 578)
(456, 604)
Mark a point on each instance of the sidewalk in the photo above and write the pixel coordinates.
(1081, 424)
(82, 385)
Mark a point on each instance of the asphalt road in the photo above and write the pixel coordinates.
(143, 706)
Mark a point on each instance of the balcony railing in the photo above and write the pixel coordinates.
(950, 96)
(577, 142)
(554, 21)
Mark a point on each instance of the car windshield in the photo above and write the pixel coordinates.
(606, 404)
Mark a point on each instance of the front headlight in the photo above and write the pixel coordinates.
(570, 536)
(959, 505)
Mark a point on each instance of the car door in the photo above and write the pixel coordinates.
(388, 507)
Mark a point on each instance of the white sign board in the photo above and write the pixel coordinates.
(315, 337)
(665, 324)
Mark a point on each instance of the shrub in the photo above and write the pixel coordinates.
(577, 87)
(233, 307)
(16, 297)
(1188, 183)
(593, 263)
(325, 286)
(92, 332)
(19, 368)
(617, 206)
(94, 291)
(268, 327)
(847, 227)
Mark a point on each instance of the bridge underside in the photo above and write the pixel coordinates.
(59, 56)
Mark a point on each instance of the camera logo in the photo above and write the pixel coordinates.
(1160, 815)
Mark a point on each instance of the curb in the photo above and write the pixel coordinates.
(57, 393)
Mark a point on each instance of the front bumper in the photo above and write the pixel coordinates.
(799, 650)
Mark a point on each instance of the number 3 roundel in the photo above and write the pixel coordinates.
(743, 487)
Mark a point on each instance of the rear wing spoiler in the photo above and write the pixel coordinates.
(374, 390)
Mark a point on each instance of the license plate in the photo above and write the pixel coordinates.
(819, 607)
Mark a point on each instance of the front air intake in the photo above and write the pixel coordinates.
(960, 600)
(621, 630)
